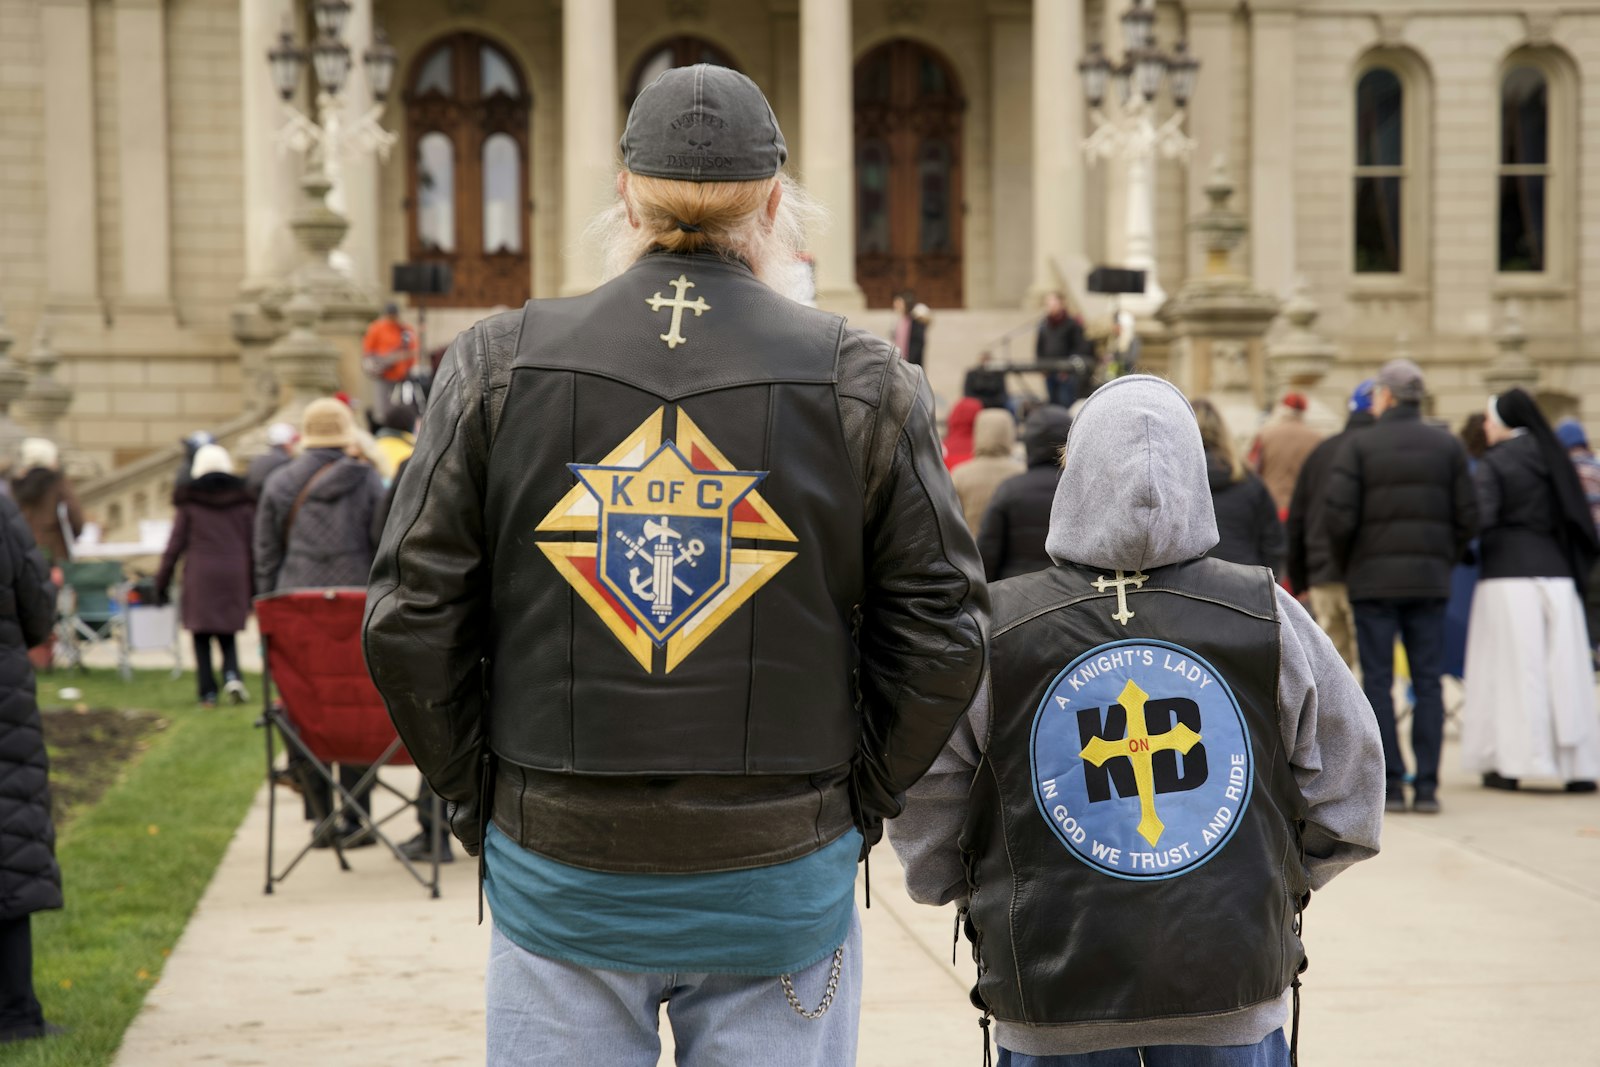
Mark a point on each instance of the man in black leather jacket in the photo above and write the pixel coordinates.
(674, 604)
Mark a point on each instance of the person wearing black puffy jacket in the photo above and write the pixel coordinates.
(1011, 537)
(1400, 513)
(30, 880)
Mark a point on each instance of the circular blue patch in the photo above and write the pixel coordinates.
(1141, 759)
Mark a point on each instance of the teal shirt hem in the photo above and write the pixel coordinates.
(772, 920)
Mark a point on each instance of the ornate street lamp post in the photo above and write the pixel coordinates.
(1131, 133)
(326, 138)
(305, 364)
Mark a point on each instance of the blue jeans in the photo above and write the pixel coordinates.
(549, 1013)
(1273, 1051)
(1420, 626)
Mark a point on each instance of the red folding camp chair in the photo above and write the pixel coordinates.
(330, 713)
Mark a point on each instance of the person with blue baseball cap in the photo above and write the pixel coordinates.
(1312, 569)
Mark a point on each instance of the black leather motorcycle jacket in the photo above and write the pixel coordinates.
(682, 554)
(1133, 848)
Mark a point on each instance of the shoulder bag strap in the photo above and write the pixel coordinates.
(299, 501)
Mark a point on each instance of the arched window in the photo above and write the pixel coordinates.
(674, 52)
(467, 127)
(1380, 193)
(1524, 168)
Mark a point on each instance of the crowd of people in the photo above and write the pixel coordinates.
(1472, 553)
(673, 694)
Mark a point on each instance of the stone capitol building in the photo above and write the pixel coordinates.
(1407, 176)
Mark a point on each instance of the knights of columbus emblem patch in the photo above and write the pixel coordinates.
(1142, 765)
(662, 571)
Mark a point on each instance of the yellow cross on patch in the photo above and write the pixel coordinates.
(1139, 748)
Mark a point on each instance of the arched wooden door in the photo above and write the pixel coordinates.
(908, 175)
(467, 203)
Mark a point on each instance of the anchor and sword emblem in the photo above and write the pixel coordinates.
(668, 552)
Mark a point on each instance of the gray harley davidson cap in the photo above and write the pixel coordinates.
(703, 124)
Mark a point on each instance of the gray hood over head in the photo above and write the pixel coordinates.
(1134, 492)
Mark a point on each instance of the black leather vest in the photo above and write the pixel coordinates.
(1133, 848)
(672, 512)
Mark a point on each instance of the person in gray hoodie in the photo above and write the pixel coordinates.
(1168, 757)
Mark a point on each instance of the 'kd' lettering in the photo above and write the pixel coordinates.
(1172, 772)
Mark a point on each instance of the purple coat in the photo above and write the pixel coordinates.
(213, 529)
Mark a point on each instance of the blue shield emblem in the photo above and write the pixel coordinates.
(665, 529)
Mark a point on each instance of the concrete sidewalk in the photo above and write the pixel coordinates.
(1474, 939)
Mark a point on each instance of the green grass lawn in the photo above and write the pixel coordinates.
(135, 863)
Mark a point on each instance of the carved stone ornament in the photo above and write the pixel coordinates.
(1541, 27)
(1391, 26)
(686, 10)
(903, 11)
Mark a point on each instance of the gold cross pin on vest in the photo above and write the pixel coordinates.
(674, 335)
(1136, 579)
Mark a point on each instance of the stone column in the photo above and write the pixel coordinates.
(1014, 236)
(1211, 112)
(271, 177)
(1058, 161)
(144, 176)
(72, 246)
(588, 132)
(827, 144)
(1272, 154)
(358, 175)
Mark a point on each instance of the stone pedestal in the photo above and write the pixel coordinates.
(45, 400)
(1300, 357)
(1511, 367)
(305, 365)
(1219, 319)
(13, 380)
(343, 310)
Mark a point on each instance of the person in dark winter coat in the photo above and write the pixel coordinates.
(1311, 569)
(1061, 338)
(1400, 513)
(911, 327)
(1248, 530)
(46, 499)
(314, 524)
(314, 530)
(281, 439)
(30, 880)
(212, 533)
(1011, 538)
